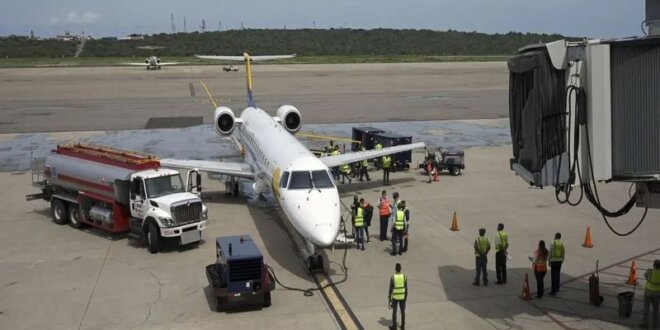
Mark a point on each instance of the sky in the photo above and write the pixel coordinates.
(582, 18)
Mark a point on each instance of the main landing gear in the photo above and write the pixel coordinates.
(231, 186)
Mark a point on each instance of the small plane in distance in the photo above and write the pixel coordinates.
(153, 62)
(277, 161)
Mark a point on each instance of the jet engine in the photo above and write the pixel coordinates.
(290, 118)
(224, 121)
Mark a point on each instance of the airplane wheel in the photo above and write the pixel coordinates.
(310, 264)
(319, 262)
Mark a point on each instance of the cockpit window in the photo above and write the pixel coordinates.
(300, 180)
(284, 180)
(321, 179)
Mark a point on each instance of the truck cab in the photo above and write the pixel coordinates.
(162, 207)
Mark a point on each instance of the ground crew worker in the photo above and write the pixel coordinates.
(651, 295)
(387, 165)
(335, 170)
(398, 229)
(397, 296)
(540, 265)
(557, 251)
(406, 214)
(364, 168)
(358, 224)
(384, 211)
(481, 248)
(394, 204)
(376, 161)
(368, 214)
(325, 152)
(501, 246)
(345, 173)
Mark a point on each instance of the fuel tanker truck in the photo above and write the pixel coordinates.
(120, 191)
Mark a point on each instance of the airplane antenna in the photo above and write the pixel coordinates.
(185, 28)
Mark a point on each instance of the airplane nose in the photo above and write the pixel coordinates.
(324, 235)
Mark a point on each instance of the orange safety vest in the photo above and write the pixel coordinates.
(385, 207)
(541, 264)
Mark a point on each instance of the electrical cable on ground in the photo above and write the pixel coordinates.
(310, 291)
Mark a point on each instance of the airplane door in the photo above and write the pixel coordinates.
(138, 198)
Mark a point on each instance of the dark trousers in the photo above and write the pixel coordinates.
(539, 283)
(359, 236)
(651, 298)
(383, 226)
(365, 173)
(481, 263)
(405, 240)
(500, 266)
(366, 230)
(395, 305)
(397, 235)
(345, 176)
(335, 173)
(386, 175)
(555, 270)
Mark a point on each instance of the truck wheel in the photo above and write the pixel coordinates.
(220, 304)
(59, 211)
(455, 171)
(75, 216)
(267, 299)
(153, 237)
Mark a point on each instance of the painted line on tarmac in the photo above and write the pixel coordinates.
(338, 305)
(617, 264)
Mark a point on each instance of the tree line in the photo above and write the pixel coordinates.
(304, 42)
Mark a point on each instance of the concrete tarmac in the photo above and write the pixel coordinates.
(117, 98)
(62, 278)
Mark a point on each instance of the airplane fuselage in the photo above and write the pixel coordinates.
(300, 182)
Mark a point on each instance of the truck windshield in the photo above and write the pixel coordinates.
(164, 185)
(321, 179)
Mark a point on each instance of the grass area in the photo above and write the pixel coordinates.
(116, 61)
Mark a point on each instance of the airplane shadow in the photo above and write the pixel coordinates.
(346, 189)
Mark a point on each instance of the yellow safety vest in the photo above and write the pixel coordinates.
(359, 218)
(399, 290)
(482, 245)
(387, 161)
(557, 251)
(336, 153)
(399, 222)
(346, 168)
(379, 146)
(653, 283)
(365, 163)
(504, 241)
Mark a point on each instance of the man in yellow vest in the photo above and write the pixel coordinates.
(557, 251)
(364, 167)
(397, 296)
(358, 224)
(335, 170)
(345, 173)
(652, 295)
(501, 246)
(481, 248)
(387, 165)
(398, 228)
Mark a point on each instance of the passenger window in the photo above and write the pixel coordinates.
(284, 180)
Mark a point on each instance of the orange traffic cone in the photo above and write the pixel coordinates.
(436, 177)
(632, 279)
(587, 239)
(525, 289)
(454, 223)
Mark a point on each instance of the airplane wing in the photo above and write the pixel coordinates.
(171, 63)
(242, 58)
(351, 157)
(239, 170)
(135, 64)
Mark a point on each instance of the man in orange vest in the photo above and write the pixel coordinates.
(384, 210)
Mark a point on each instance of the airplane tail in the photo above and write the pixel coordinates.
(248, 67)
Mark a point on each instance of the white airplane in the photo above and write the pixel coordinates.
(153, 63)
(276, 161)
